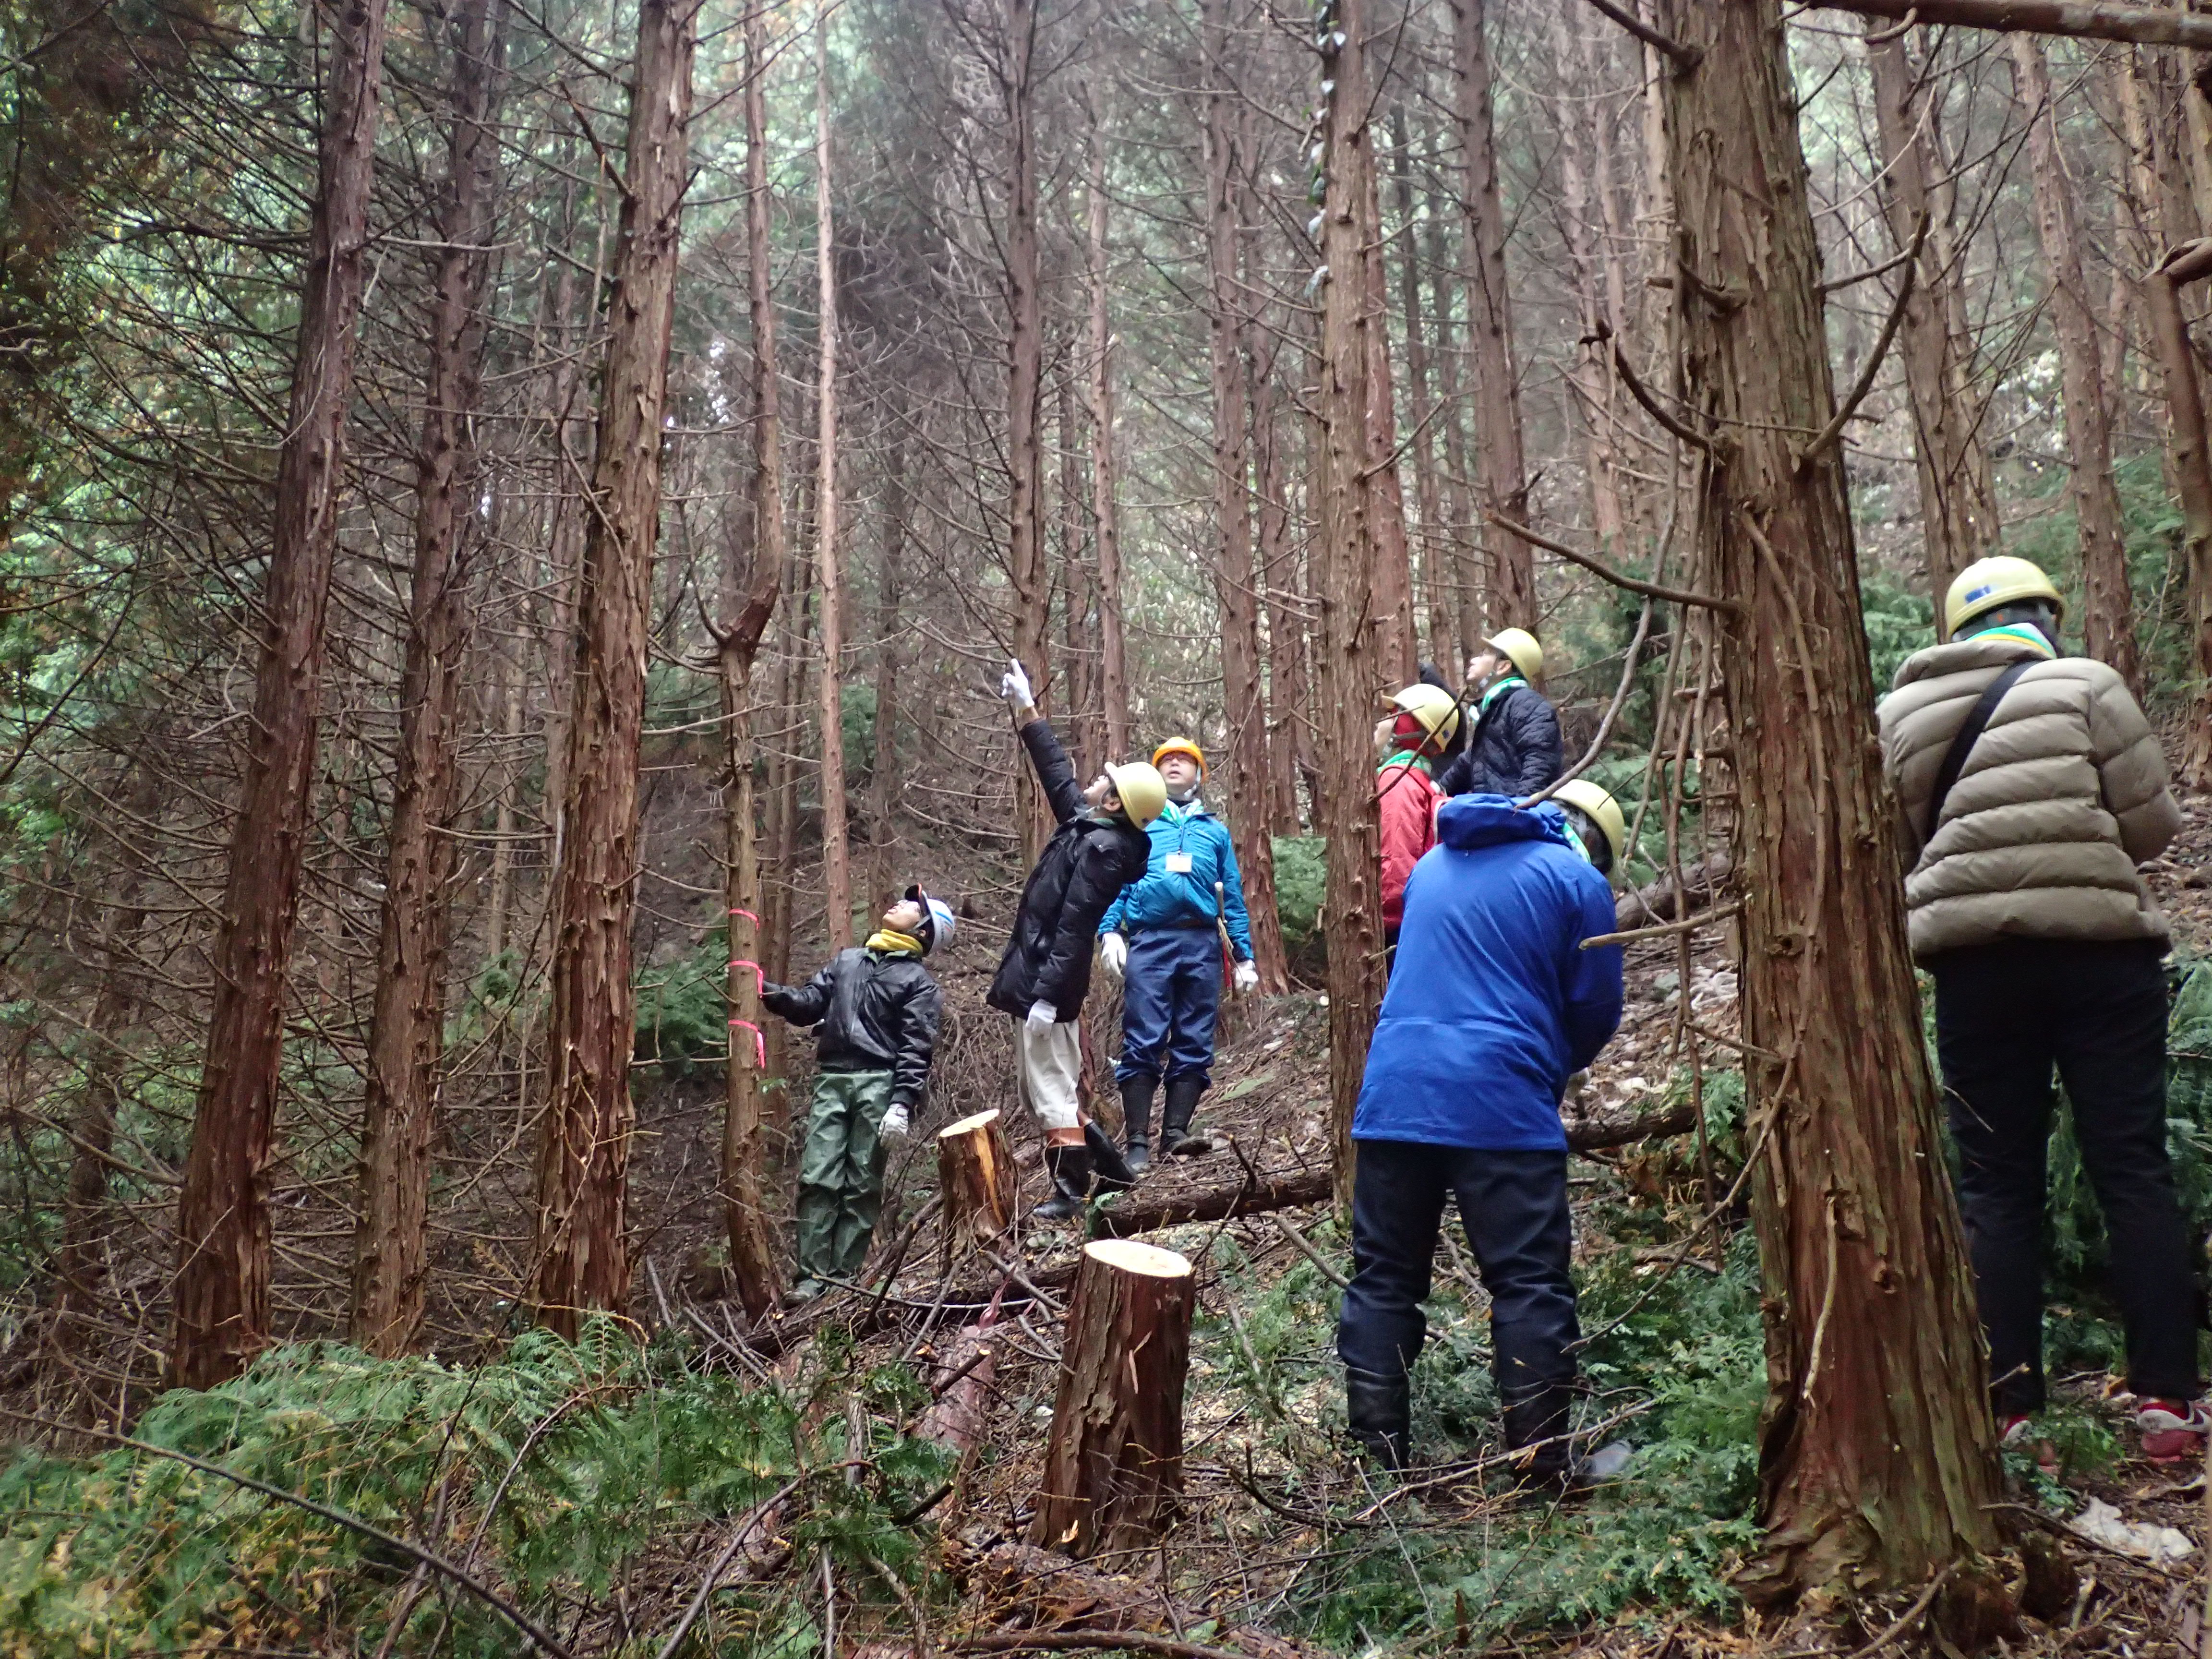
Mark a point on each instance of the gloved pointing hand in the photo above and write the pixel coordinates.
(896, 1125)
(1014, 687)
(1246, 979)
(1042, 1017)
(1114, 955)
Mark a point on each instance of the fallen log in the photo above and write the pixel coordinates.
(1027, 1592)
(1112, 1466)
(1655, 902)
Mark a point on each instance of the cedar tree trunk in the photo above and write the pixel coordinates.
(407, 1023)
(1876, 1461)
(836, 866)
(580, 1254)
(221, 1300)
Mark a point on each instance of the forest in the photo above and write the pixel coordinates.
(514, 519)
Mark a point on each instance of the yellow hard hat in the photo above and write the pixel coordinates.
(1988, 584)
(1601, 809)
(1143, 791)
(1180, 746)
(1519, 647)
(1436, 710)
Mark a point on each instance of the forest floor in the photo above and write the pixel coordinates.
(615, 1474)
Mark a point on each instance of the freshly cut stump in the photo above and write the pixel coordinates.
(1113, 1469)
(975, 1172)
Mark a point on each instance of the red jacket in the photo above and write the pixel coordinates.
(1406, 799)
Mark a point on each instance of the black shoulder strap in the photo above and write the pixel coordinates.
(1977, 720)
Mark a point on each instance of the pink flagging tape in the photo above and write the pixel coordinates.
(747, 915)
(760, 1042)
(747, 962)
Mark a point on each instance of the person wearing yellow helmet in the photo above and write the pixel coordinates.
(1422, 727)
(1098, 848)
(1516, 748)
(1596, 825)
(2030, 787)
(1161, 937)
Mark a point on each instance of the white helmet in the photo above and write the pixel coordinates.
(938, 923)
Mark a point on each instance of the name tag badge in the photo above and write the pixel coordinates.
(1178, 863)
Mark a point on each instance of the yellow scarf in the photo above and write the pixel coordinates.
(894, 944)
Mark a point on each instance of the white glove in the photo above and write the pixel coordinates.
(1247, 976)
(1042, 1017)
(1114, 955)
(1014, 687)
(895, 1125)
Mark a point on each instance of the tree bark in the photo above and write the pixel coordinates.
(2187, 450)
(2108, 611)
(221, 1301)
(1287, 678)
(1361, 538)
(1243, 699)
(1105, 481)
(582, 1256)
(749, 602)
(1025, 564)
(407, 1022)
(2092, 20)
(976, 1174)
(1436, 573)
(882, 765)
(1876, 1463)
(1113, 1466)
(1958, 513)
(836, 867)
(1503, 478)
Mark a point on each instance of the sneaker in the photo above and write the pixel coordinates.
(2013, 1429)
(2172, 1430)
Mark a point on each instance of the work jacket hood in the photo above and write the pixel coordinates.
(1469, 821)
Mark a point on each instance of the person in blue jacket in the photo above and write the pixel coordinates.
(1493, 1005)
(1162, 937)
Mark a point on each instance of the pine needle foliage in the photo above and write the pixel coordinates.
(554, 1469)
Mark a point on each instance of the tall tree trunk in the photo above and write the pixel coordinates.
(836, 869)
(1364, 641)
(1025, 564)
(882, 766)
(749, 602)
(1436, 575)
(1502, 471)
(1876, 1462)
(1286, 651)
(221, 1301)
(1105, 483)
(581, 1255)
(1958, 518)
(1585, 193)
(2108, 611)
(1079, 588)
(1244, 700)
(2186, 451)
(407, 1023)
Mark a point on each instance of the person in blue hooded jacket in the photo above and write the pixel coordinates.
(1493, 1005)
(1162, 938)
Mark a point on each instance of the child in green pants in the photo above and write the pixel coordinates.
(875, 1009)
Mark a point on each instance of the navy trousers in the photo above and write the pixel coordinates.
(2006, 1013)
(1170, 1000)
(1514, 1206)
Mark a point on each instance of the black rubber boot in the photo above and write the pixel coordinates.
(1070, 1168)
(1136, 1119)
(1538, 1420)
(1114, 1175)
(1378, 1411)
(1174, 1118)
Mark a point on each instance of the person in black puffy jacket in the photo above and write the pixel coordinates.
(875, 1011)
(1099, 847)
(1515, 749)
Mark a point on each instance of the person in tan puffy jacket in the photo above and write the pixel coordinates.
(2023, 904)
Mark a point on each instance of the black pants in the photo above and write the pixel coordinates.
(1514, 1205)
(2005, 1014)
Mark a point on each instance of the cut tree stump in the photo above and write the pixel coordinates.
(1113, 1468)
(975, 1172)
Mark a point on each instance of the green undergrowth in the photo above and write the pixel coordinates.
(573, 1462)
(1674, 1364)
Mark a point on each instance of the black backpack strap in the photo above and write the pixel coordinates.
(1977, 720)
